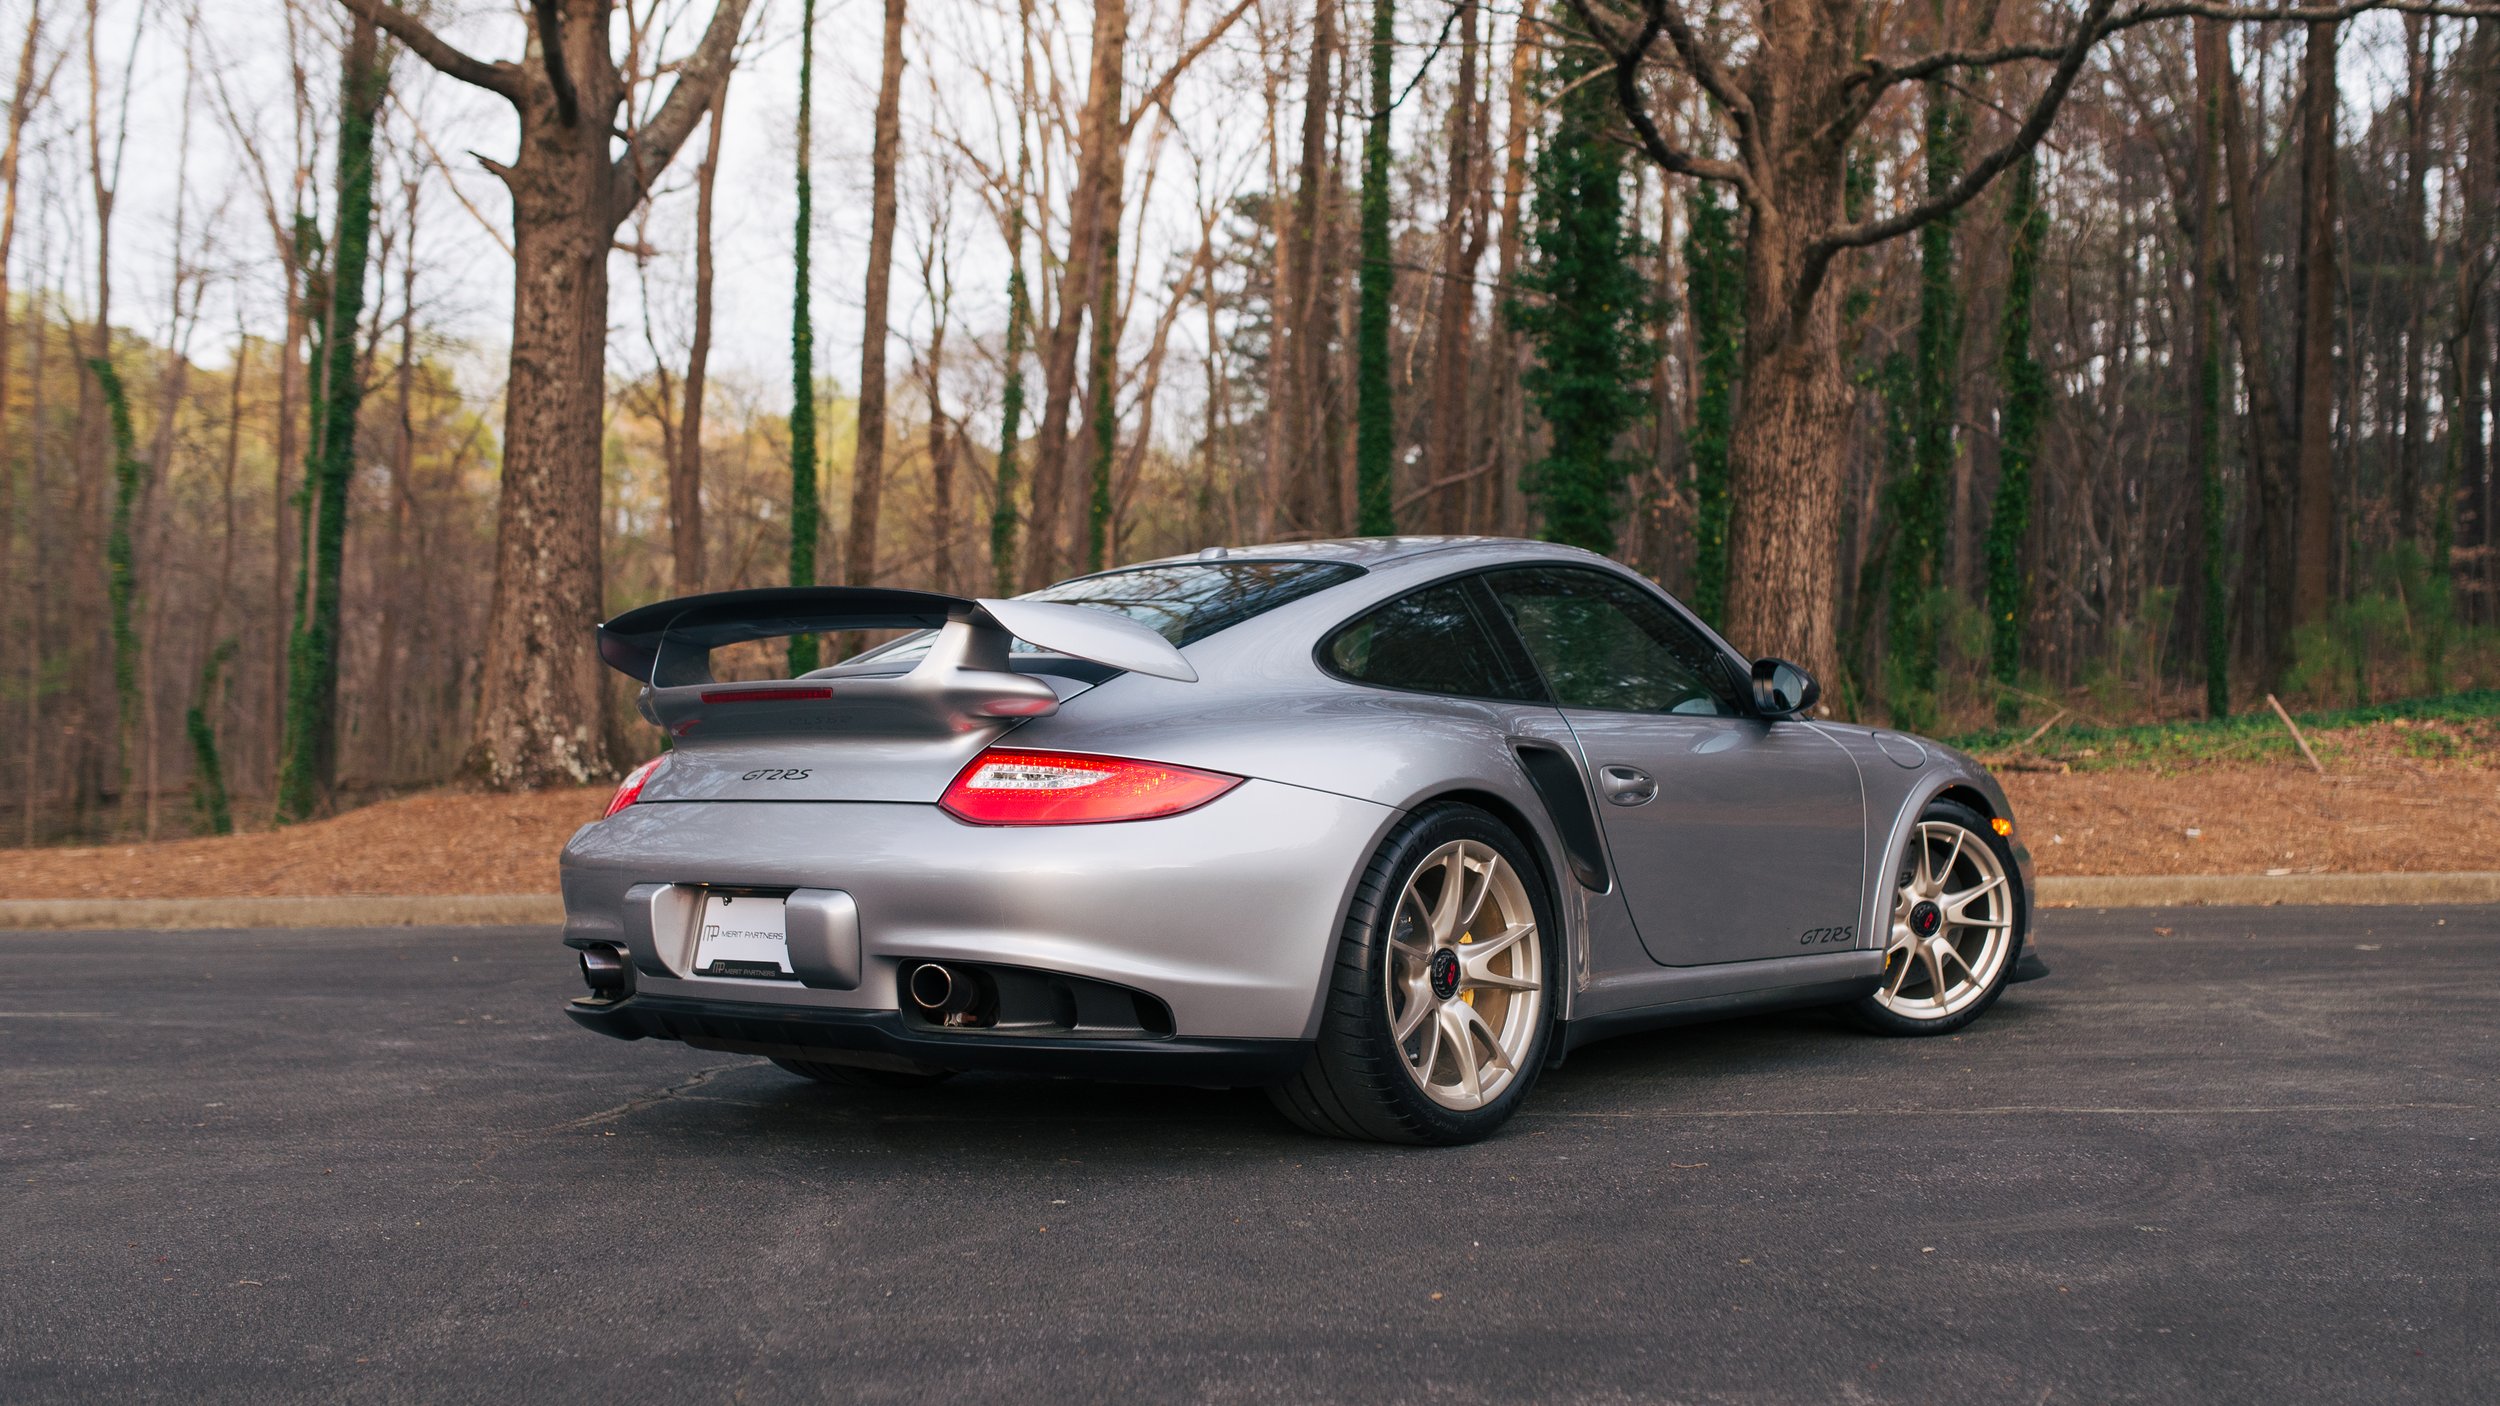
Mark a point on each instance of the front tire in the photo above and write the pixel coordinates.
(1439, 1007)
(1958, 916)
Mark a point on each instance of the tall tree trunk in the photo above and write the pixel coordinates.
(685, 478)
(1917, 562)
(2208, 600)
(1446, 456)
(1103, 382)
(2267, 592)
(1714, 300)
(2421, 36)
(1100, 136)
(2313, 496)
(1301, 490)
(310, 766)
(1019, 325)
(387, 705)
(2024, 387)
(22, 99)
(2464, 512)
(806, 507)
(1375, 431)
(1506, 428)
(868, 460)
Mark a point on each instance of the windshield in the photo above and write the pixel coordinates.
(1184, 601)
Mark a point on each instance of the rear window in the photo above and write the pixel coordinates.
(1188, 601)
(1183, 601)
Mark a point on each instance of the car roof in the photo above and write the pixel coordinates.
(1378, 551)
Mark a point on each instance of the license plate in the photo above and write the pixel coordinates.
(743, 935)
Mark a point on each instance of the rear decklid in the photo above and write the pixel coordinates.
(856, 733)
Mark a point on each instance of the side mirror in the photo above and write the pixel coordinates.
(1782, 690)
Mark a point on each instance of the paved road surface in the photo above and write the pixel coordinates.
(2223, 1155)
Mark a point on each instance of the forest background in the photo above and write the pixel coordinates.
(1991, 359)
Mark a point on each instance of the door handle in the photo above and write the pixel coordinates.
(1626, 786)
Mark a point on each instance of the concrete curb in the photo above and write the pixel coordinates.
(2218, 890)
(178, 914)
(547, 910)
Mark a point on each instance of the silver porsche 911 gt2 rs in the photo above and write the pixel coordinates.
(1386, 826)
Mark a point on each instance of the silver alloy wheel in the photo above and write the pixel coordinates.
(1952, 924)
(1466, 975)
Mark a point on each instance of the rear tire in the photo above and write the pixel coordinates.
(1959, 917)
(1440, 1002)
(851, 1076)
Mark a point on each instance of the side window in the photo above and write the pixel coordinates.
(1432, 641)
(1604, 643)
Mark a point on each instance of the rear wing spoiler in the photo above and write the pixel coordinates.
(667, 646)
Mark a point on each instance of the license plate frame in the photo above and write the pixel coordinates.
(743, 936)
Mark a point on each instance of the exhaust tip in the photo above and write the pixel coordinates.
(933, 987)
(604, 971)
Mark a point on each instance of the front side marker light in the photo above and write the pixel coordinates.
(2002, 826)
(1002, 787)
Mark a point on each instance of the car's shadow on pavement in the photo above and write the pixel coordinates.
(1750, 1061)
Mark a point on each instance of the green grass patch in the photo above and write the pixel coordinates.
(2249, 736)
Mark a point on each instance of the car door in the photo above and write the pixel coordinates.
(1736, 838)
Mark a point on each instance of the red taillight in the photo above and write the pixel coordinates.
(1001, 787)
(629, 790)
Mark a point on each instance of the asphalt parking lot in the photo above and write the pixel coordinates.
(2222, 1155)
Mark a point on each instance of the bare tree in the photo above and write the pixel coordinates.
(868, 459)
(538, 722)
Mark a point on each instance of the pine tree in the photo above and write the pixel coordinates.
(2026, 390)
(806, 512)
(1586, 310)
(1714, 300)
(1374, 428)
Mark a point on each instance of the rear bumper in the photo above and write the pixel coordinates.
(799, 1032)
(1227, 914)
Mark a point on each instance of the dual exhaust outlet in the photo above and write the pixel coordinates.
(951, 995)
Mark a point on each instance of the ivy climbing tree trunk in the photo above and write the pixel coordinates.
(308, 765)
(208, 767)
(1916, 561)
(1714, 301)
(1374, 423)
(1586, 308)
(1019, 326)
(1104, 378)
(121, 580)
(2025, 388)
(806, 504)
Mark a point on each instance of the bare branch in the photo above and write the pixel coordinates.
(1882, 73)
(1626, 60)
(1162, 89)
(701, 74)
(1818, 255)
(500, 77)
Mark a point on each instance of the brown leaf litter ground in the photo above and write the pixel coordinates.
(2406, 797)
